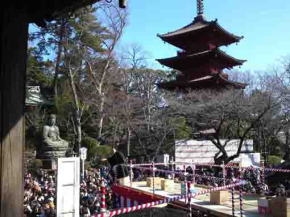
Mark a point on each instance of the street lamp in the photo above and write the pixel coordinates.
(83, 156)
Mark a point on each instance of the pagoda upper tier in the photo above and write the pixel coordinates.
(189, 37)
(215, 57)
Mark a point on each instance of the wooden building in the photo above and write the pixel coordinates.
(200, 61)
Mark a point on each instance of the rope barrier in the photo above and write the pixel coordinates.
(184, 183)
(241, 193)
(224, 173)
(220, 166)
(189, 199)
(103, 198)
(153, 174)
(149, 164)
(131, 173)
(167, 200)
(193, 167)
(233, 201)
(277, 170)
(241, 201)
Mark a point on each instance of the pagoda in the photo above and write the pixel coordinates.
(200, 61)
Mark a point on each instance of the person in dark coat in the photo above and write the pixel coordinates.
(119, 165)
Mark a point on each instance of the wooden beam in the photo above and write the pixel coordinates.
(13, 45)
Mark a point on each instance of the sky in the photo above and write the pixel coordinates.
(265, 25)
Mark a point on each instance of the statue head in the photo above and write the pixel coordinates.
(52, 119)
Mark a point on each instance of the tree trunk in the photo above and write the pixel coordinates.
(128, 141)
(77, 111)
(101, 112)
(14, 32)
(58, 57)
(287, 147)
(79, 129)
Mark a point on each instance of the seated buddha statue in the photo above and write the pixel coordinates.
(51, 135)
(53, 145)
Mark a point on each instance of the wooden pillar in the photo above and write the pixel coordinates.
(14, 30)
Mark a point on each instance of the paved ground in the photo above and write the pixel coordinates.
(202, 202)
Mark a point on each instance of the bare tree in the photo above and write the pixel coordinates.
(72, 72)
(231, 114)
(146, 128)
(100, 68)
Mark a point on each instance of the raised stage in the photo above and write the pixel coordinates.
(201, 202)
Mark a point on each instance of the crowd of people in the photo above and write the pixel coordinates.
(40, 192)
(91, 192)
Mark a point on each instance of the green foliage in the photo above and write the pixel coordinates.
(275, 147)
(87, 30)
(38, 71)
(102, 152)
(92, 145)
(182, 129)
(95, 150)
(64, 103)
(274, 160)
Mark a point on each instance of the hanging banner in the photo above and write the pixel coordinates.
(68, 187)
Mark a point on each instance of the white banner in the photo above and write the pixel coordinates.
(68, 187)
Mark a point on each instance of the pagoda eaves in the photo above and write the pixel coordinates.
(217, 56)
(209, 81)
(189, 37)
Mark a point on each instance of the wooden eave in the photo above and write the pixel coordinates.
(186, 61)
(209, 81)
(197, 31)
(46, 10)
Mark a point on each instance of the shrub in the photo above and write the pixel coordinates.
(95, 150)
(102, 152)
(92, 145)
(275, 160)
(182, 129)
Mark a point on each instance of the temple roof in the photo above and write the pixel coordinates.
(46, 10)
(209, 81)
(186, 61)
(198, 31)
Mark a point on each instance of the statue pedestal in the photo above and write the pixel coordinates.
(49, 164)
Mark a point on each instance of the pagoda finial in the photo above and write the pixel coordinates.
(200, 8)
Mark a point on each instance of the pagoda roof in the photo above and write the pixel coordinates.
(200, 30)
(209, 81)
(186, 61)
